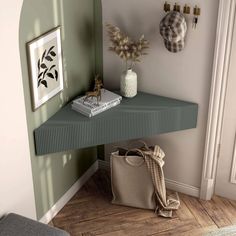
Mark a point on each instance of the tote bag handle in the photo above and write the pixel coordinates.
(133, 143)
(139, 142)
(134, 150)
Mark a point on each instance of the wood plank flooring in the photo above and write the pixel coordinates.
(90, 213)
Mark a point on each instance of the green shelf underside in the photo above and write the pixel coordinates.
(138, 117)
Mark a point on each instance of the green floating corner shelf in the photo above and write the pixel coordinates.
(141, 116)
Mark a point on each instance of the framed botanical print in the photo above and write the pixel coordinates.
(45, 62)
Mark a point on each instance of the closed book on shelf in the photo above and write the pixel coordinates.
(108, 106)
(90, 114)
(81, 111)
(91, 107)
(91, 102)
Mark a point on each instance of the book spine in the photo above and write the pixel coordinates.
(82, 112)
(97, 109)
(108, 105)
(88, 106)
(115, 103)
(81, 108)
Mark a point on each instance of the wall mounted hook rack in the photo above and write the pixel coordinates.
(186, 8)
(176, 7)
(197, 11)
(166, 7)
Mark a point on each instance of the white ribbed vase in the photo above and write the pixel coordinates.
(128, 83)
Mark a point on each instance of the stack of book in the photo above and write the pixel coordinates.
(90, 107)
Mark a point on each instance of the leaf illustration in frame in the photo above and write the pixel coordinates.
(44, 82)
(53, 53)
(43, 66)
(48, 58)
(52, 67)
(42, 70)
(39, 64)
(50, 75)
(56, 74)
(44, 73)
(40, 75)
(39, 82)
(44, 53)
(50, 49)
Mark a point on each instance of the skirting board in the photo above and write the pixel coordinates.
(69, 194)
(182, 188)
(170, 184)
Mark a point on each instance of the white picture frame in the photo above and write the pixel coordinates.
(45, 64)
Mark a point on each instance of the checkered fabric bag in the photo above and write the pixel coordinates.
(173, 28)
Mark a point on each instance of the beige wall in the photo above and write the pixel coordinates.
(16, 191)
(185, 75)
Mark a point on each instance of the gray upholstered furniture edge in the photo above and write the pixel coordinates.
(16, 225)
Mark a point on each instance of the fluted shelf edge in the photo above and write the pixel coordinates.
(138, 117)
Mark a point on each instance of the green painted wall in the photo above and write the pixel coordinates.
(98, 37)
(99, 53)
(54, 174)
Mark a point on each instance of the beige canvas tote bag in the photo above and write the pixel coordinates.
(131, 181)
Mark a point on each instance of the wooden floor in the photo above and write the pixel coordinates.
(90, 213)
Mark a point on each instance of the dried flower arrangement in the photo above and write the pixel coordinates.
(126, 48)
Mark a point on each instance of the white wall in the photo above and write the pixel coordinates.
(16, 185)
(185, 75)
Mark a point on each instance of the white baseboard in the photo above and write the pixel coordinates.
(170, 184)
(69, 194)
(182, 188)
